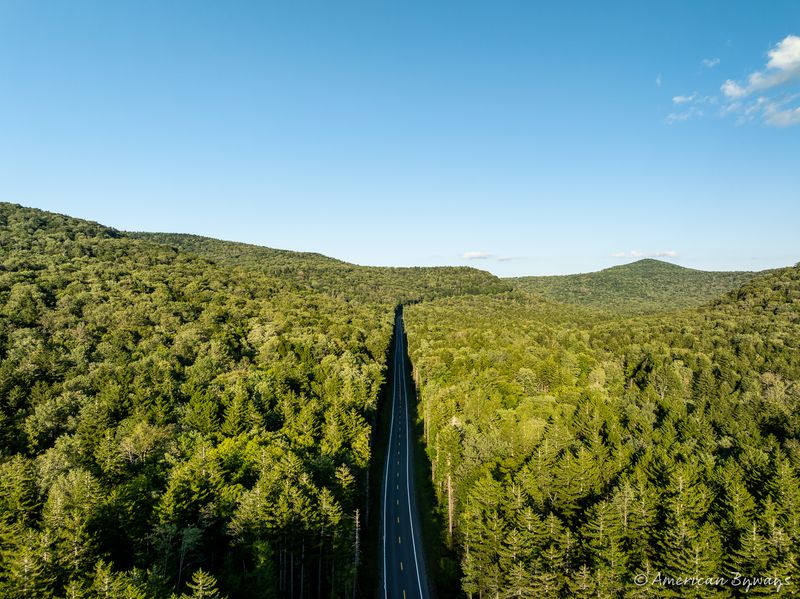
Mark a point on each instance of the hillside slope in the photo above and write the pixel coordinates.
(391, 285)
(646, 286)
(573, 455)
(164, 418)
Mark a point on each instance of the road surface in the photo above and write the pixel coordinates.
(403, 558)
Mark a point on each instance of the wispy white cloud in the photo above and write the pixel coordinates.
(658, 80)
(678, 117)
(775, 114)
(732, 90)
(695, 98)
(688, 107)
(640, 254)
(770, 95)
(489, 256)
(684, 99)
(476, 255)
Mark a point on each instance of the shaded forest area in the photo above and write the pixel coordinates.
(573, 450)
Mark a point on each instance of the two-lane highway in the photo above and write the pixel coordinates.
(403, 558)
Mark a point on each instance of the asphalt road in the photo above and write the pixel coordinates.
(403, 558)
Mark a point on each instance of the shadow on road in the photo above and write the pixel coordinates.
(442, 564)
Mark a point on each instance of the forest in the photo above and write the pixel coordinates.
(575, 452)
(177, 425)
(184, 417)
(641, 287)
(374, 284)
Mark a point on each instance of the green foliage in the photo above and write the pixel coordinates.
(381, 285)
(646, 286)
(186, 417)
(575, 448)
(203, 586)
(148, 395)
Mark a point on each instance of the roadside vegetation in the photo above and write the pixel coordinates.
(573, 450)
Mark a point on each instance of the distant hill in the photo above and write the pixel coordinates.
(334, 277)
(645, 286)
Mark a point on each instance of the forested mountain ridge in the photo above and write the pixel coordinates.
(641, 287)
(168, 424)
(377, 284)
(571, 457)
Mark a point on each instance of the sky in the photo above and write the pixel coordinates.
(523, 138)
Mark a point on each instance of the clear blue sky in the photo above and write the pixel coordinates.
(554, 137)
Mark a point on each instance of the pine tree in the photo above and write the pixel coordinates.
(605, 538)
(582, 584)
(28, 572)
(519, 581)
(203, 586)
(17, 490)
(752, 555)
(577, 479)
(640, 520)
(737, 506)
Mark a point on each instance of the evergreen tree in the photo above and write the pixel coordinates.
(202, 586)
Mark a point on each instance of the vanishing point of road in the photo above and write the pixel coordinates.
(403, 558)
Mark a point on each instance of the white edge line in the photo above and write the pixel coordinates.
(386, 481)
(408, 486)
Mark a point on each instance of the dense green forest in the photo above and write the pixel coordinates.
(646, 286)
(572, 452)
(380, 285)
(170, 425)
(187, 417)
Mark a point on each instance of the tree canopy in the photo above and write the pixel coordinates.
(574, 449)
(642, 287)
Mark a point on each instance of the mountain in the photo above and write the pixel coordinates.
(645, 286)
(377, 284)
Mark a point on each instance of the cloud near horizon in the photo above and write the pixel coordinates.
(488, 256)
(476, 255)
(639, 254)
